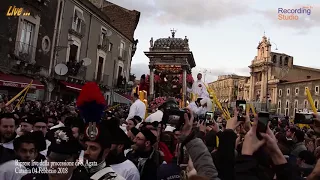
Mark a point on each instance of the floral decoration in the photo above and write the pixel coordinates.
(61, 136)
(155, 103)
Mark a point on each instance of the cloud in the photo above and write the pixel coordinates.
(191, 12)
(302, 25)
(211, 74)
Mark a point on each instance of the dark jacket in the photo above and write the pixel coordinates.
(148, 171)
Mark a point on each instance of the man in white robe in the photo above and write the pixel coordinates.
(198, 88)
(138, 108)
(196, 107)
(206, 103)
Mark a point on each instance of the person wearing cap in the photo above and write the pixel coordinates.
(95, 155)
(63, 148)
(116, 158)
(133, 122)
(7, 130)
(144, 156)
(26, 124)
(63, 116)
(132, 133)
(41, 124)
(138, 108)
(198, 88)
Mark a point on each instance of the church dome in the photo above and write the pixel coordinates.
(171, 43)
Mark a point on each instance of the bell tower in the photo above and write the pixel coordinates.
(264, 49)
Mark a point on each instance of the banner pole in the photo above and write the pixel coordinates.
(19, 94)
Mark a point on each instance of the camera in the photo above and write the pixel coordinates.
(173, 114)
(241, 107)
(303, 118)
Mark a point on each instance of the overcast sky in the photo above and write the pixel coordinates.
(224, 34)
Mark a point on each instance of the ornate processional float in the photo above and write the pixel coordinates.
(170, 67)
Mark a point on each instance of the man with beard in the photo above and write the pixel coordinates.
(116, 158)
(144, 156)
(7, 130)
(95, 155)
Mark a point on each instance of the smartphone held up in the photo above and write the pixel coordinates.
(263, 119)
(241, 107)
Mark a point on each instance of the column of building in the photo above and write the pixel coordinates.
(151, 87)
(252, 86)
(263, 87)
(184, 85)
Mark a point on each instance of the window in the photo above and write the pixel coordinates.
(305, 104)
(110, 47)
(287, 104)
(316, 89)
(122, 46)
(274, 59)
(286, 111)
(100, 66)
(279, 107)
(280, 61)
(73, 54)
(286, 61)
(288, 91)
(280, 92)
(26, 38)
(316, 103)
(78, 20)
(103, 36)
(305, 90)
(296, 91)
(296, 102)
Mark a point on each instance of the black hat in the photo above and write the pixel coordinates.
(63, 142)
(103, 137)
(149, 136)
(27, 119)
(120, 137)
(134, 131)
(35, 137)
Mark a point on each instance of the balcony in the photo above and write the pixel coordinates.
(25, 52)
(78, 27)
(104, 44)
(123, 55)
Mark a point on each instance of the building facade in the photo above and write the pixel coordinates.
(269, 71)
(91, 47)
(292, 96)
(227, 88)
(25, 46)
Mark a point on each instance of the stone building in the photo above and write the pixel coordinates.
(92, 32)
(292, 96)
(269, 70)
(25, 46)
(226, 88)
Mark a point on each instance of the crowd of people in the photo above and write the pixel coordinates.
(50, 141)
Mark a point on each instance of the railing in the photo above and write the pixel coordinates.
(78, 27)
(104, 44)
(123, 55)
(24, 51)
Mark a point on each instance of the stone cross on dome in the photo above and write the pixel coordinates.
(173, 32)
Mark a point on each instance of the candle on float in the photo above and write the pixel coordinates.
(146, 103)
(141, 95)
